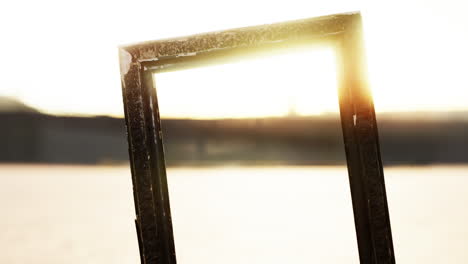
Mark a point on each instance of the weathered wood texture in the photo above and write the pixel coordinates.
(361, 141)
(153, 218)
(343, 32)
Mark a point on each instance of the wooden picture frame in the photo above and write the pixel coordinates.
(343, 32)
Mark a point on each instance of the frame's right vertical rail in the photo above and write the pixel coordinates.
(360, 134)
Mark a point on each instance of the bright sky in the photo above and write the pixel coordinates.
(61, 56)
(300, 82)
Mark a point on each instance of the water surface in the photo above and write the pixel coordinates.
(84, 214)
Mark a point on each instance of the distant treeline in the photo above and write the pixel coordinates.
(405, 139)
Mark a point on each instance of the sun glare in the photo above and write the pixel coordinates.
(301, 82)
(416, 55)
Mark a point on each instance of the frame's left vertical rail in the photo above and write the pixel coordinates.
(152, 233)
(158, 169)
(132, 170)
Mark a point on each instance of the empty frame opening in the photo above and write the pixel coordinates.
(300, 82)
(279, 113)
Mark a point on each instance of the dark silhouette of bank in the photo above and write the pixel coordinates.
(28, 136)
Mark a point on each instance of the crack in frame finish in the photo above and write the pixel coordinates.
(344, 33)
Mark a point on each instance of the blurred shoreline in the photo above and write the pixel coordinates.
(28, 136)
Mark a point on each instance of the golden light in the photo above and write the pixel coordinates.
(416, 52)
(302, 82)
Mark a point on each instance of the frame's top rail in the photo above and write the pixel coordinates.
(318, 27)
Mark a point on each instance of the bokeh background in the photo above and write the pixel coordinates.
(254, 149)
